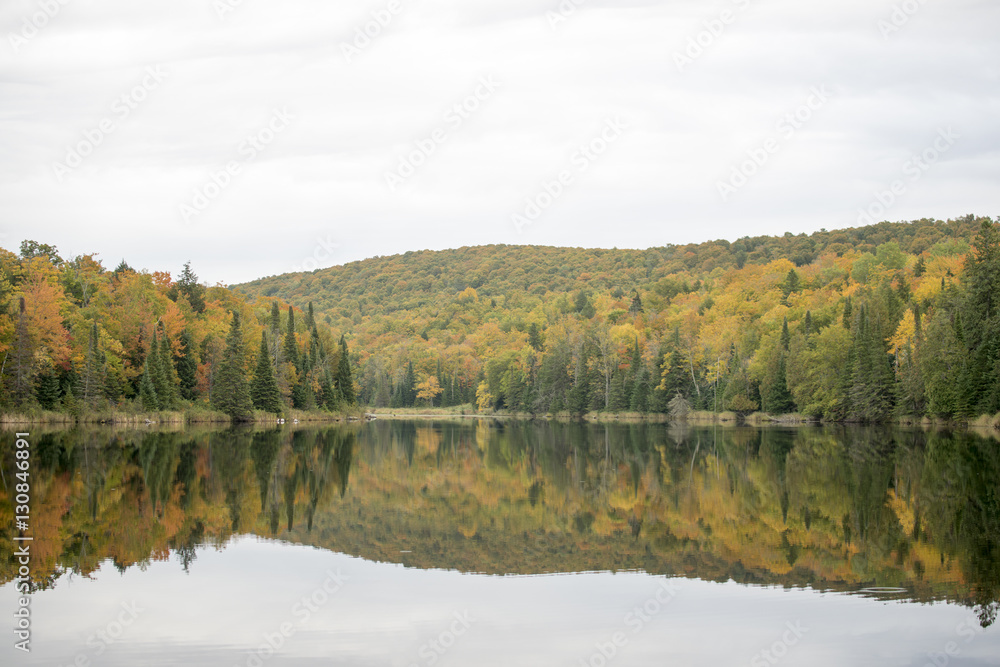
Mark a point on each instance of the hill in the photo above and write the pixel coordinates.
(859, 324)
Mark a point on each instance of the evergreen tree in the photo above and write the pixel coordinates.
(172, 397)
(328, 397)
(232, 393)
(310, 317)
(291, 345)
(48, 390)
(636, 306)
(264, 388)
(92, 373)
(872, 382)
(302, 396)
(22, 361)
(189, 286)
(619, 394)
(147, 392)
(345, 380)
(641, 391)
(535, 337)
(158, 373)
(187, 367)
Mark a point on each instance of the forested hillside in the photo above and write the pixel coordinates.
(78, 338)
(861, 324)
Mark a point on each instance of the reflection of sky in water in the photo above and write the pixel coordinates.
(385, 613)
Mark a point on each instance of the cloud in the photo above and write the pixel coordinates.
(560, 80)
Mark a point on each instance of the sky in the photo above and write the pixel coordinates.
(257, 138)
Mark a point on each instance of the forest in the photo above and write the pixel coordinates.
(870, 324)
(95, 344)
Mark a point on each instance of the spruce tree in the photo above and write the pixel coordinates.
(92, 373)
(232, 392)
(345, 381)
(291, 345)
(48, 389)
(187, 367)
(264, 388)
(147, 392)
(641, 391)
(172, 397)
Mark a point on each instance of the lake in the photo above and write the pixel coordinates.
(482, 542)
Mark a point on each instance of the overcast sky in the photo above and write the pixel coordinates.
(257, 138)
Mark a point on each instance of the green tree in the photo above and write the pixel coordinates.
(345, 379)
(187, 367)
(232, 392)
(264, 388)
(147, 392)
(189, 286)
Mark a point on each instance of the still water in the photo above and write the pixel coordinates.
(398, 543)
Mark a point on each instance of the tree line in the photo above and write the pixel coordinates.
(867, 324)
(78, 338)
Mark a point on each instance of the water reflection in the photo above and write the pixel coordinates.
(878, 512)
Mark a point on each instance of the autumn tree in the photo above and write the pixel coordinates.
(429, 389)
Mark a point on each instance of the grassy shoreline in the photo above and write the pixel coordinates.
(172, 417)
(199, 415)
(984, 422)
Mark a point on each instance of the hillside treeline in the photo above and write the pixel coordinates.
(77, 337)
(861, 324)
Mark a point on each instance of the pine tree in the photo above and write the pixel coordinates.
(291, 345)
(264, 388)
(310, 317)
(22, 358)
(232, 393)
(872, 381)
(187, 367)
(641, 391)
(172, 396)
(48, 389)
(188, 285)
(345, 381)
(157, 374)
(92, 373)
(147, 392)
(535, 337)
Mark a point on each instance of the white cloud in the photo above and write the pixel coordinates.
(324, 175)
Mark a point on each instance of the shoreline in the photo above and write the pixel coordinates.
(983, 423)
